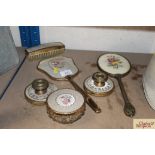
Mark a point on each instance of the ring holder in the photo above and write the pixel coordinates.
(98, 84)
(38, 91)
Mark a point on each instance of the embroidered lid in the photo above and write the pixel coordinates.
(114, 64)
(65, 101)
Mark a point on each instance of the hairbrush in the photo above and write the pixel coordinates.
(45, 51)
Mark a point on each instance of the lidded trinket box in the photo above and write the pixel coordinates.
(65, 106)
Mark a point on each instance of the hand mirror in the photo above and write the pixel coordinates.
(63, 68)
(117, 66)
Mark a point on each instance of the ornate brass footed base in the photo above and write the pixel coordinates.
(66, 118)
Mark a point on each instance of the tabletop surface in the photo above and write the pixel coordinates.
(16, 112)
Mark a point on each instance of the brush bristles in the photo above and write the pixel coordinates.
(37, 55)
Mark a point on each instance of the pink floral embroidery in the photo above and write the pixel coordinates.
(57, 64)
(114, 62)
(65, 100)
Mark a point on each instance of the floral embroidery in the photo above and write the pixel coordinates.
(114, 62)
(65, 99)
(56, 66)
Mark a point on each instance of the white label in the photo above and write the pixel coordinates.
(65, 72)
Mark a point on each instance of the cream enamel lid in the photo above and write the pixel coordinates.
(65, 101)
(113, 64)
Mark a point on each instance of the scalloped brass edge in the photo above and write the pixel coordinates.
(79, 113)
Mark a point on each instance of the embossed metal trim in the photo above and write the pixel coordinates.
(66, 118)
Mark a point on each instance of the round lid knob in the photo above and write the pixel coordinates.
(40, 86)
(99, 79)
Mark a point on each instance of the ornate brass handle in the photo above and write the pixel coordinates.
(88, 99)
(129, 109)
